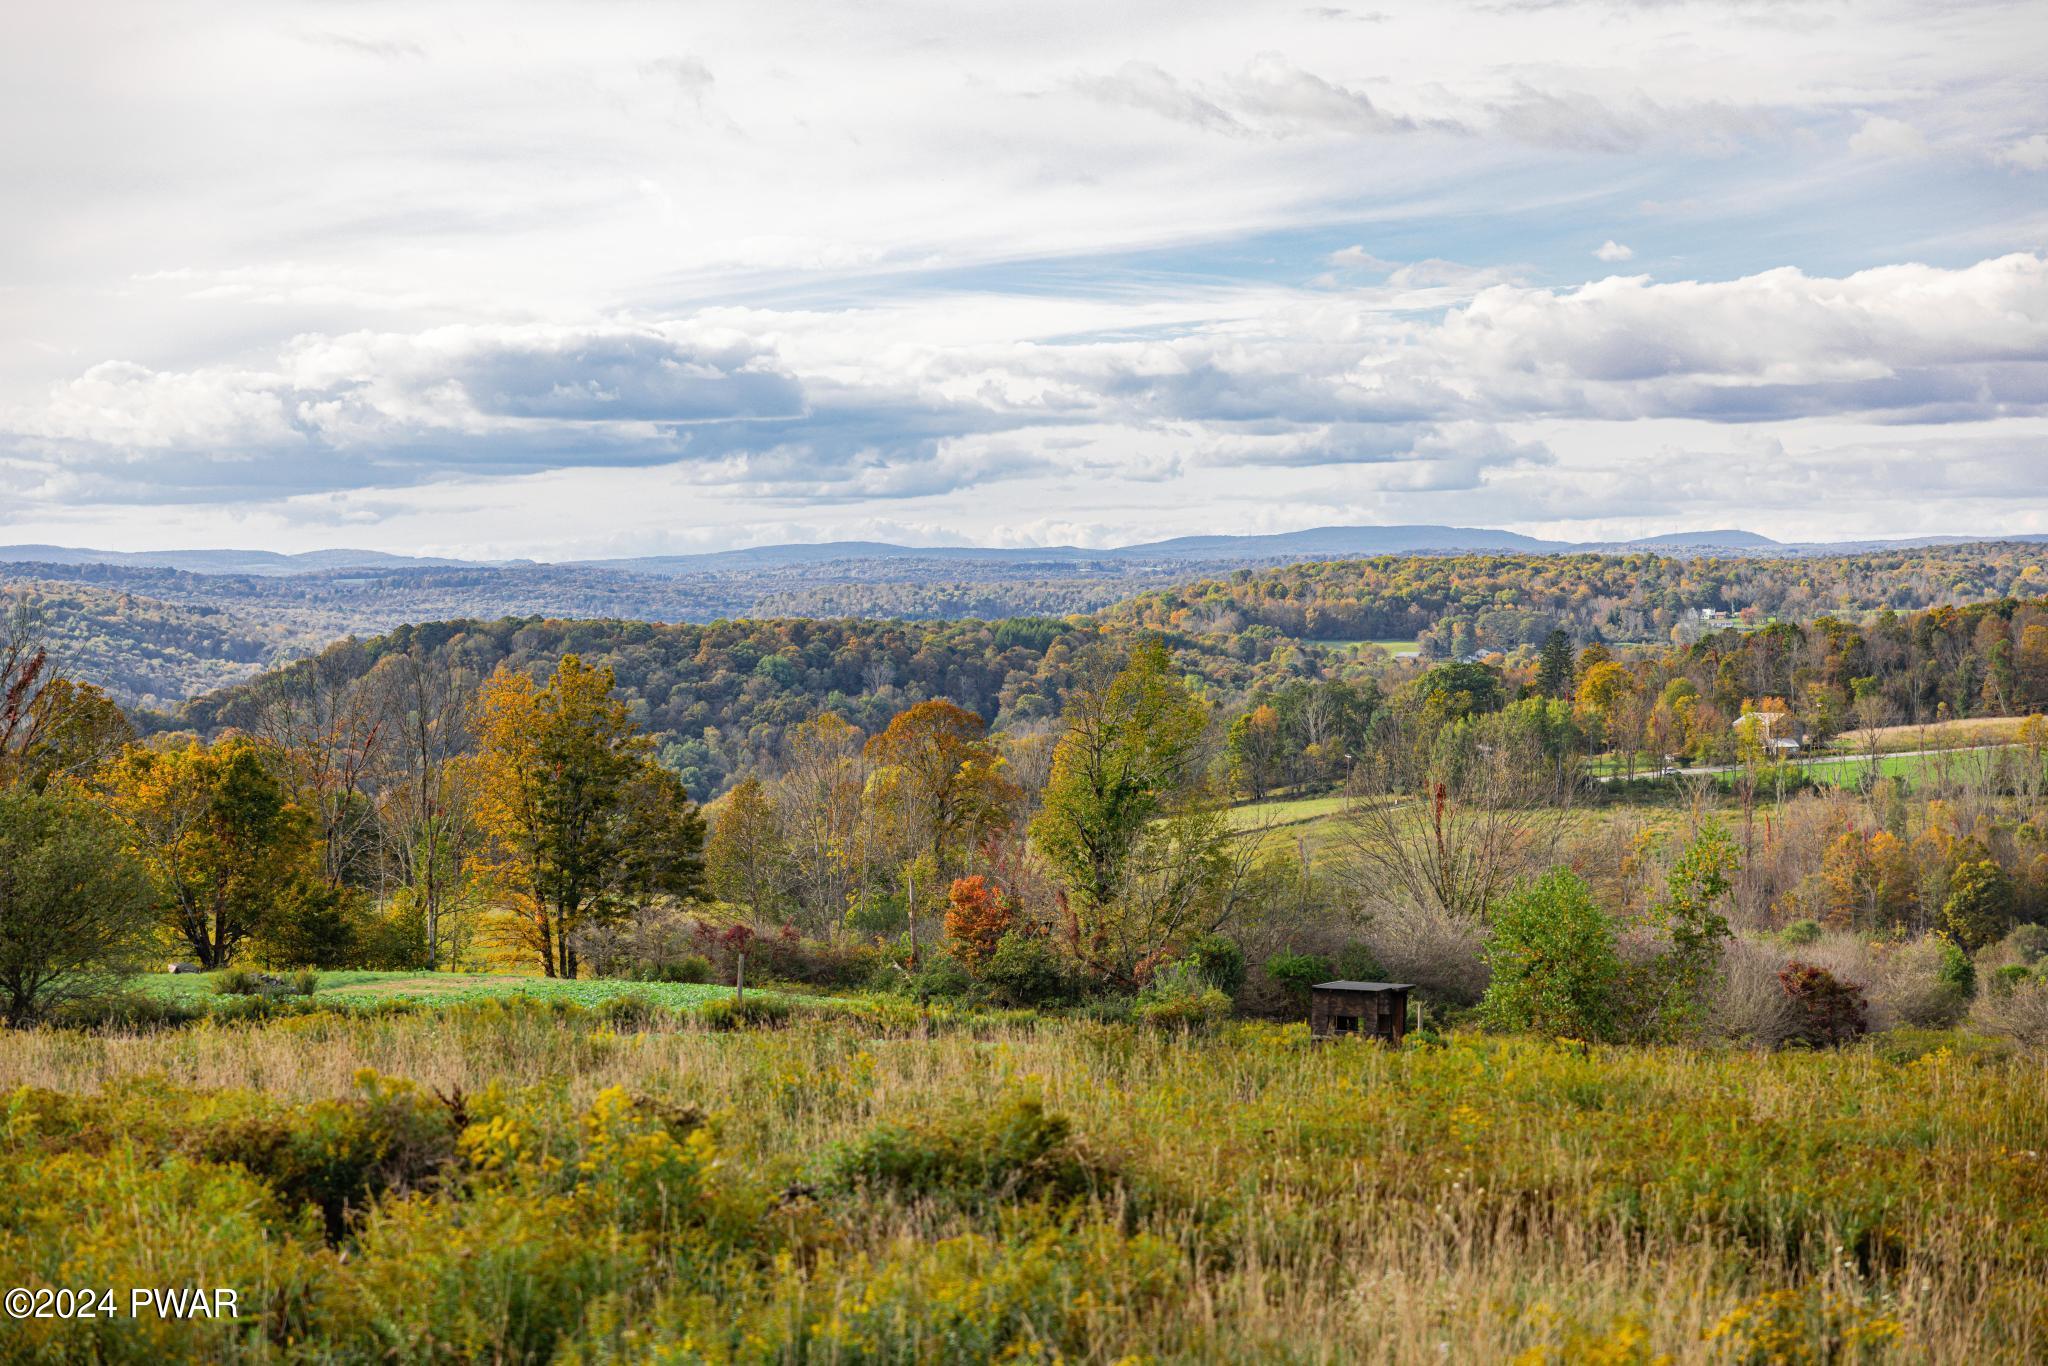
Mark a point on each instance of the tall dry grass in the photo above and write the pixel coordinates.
(1473, 1202)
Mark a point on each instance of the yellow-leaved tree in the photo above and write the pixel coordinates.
(581, 823)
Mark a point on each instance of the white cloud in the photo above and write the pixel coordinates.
(2027, 154)
(1611, 250)
(1882, 136)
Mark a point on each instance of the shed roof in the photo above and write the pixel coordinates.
(1364, 986)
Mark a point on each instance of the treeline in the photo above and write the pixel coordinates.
(1501, 601)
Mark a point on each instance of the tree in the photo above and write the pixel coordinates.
(942, 779)
(1554, 667)
(1130, 754)
(424, 809)
(1129, 827)
(1254, 748)
(747, 859)
(582, 823)
(1979, 908)
(1672, 988)
(74, 904)
(328, 726)
(819, 798)
(73, 729)
(224, 847)
(978, 914)
(1555, 967)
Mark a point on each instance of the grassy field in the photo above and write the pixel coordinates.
(503, 1182)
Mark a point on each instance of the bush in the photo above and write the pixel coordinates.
(691, 968)
(1555, 967)
(754, 1012)
(1748, 1002)
(239, 982)
(1800, 933)
(979, 914)
(1024, 970)
(304, 982)
(1015, 1152)
(1218, 962)
(1198, 1009)
(1297, 972)
(2008, 977)
(1442, 952)
(1831, 1011)
(940, 977)
(2018, 1012)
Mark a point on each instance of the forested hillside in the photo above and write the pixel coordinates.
(1482, 602)
(149, 634)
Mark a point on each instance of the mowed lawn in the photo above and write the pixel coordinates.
(369, 988)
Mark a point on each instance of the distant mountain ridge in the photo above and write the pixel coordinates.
(1315, 543)
(1330, 542)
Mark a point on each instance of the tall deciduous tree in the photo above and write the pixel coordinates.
(1131, 751)
(225, 849)
(819, 798)
(582, 822)
(747, 859)
(942, 780)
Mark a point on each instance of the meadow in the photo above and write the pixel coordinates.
(521, 1180)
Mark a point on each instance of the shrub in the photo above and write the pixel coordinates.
(790, 957)
(1017, 1151)
(304, 982)
(978, 915)
(754, 1012)
(1442, 952)
(693, 968)
(1297, 972)
(1747, 1001)
(1218, 962)
(2008, 977)
(1199, 1008)
(1024, 970)
(1800, 933)
(940, 977)
(2018, 1012)
(238, 982)
(1358, 963)
(1555, 967)
(1831, 1011)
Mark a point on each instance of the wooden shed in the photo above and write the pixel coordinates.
(1368, 1010)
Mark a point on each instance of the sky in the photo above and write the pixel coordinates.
(620, 277)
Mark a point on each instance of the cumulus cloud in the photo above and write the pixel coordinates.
(853, 404)
(1611, 250)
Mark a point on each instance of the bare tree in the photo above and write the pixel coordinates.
(1447, 825)
(324, 717)
(427, 831)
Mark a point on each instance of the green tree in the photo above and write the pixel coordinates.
(1673, 986)
(74, 903)
(1554, 667)
(1131, 753)
(1979, 907)
(1555, 967)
